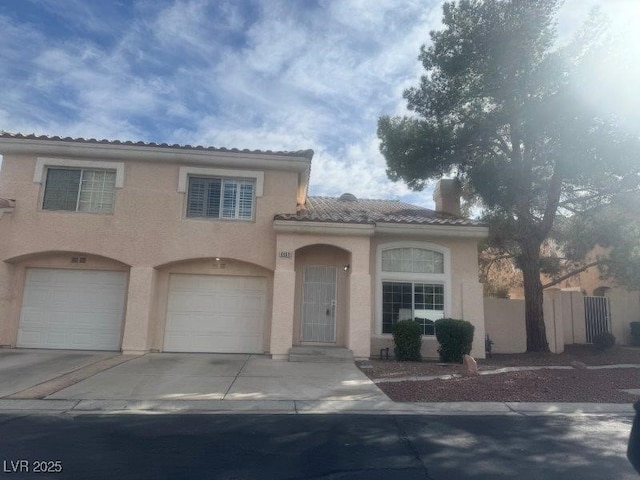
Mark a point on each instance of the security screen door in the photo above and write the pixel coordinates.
(319, 304)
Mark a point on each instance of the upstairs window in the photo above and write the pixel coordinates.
(220, 198)
(79, 190)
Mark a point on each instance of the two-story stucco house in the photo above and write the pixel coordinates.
(139, 247)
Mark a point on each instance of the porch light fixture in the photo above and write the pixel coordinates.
(217, 259)
(346, 267)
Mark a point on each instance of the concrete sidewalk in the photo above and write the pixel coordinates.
(38, 381)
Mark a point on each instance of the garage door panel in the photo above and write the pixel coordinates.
(215, 314)
(202, 342)
(36, 297)
(74, 309)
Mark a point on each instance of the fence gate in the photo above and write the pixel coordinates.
(596, 316)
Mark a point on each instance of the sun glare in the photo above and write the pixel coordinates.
(616, 86)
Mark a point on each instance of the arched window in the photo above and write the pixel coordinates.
(413, 285)
(412, 260)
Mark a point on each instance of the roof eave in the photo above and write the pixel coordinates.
(323, 228)
(458, 231)
(368, 229)
(299, 162)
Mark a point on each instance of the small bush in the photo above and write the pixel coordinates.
(407, 337)
(604, 340)
(455, 338)
(635, 333)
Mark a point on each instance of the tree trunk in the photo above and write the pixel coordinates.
(534, 317)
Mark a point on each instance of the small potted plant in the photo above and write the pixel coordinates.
(488, 344)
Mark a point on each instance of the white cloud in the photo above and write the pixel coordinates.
(285, 76)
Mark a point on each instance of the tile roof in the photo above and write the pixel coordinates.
(348, 209)
(20, 136)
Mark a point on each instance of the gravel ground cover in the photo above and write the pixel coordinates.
(544, 385)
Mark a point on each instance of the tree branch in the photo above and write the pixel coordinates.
(570, 274)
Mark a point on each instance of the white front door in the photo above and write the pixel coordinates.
(319, 304)
(72, 309)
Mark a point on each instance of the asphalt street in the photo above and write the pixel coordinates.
(158, 446)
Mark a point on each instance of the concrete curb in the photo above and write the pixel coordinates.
(308, 407)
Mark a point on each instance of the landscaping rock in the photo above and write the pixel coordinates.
(469, 365)
(578, 365)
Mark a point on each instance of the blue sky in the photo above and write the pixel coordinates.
(258, 74)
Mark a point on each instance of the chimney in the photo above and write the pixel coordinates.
(447, 196)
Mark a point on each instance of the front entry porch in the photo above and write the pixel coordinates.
(314, 304)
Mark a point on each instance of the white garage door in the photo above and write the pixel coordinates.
(75, 309)
(209, 313)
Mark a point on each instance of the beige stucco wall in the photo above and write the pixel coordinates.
(625, 308)
(504, 323)
(148, 226)
(557, 311)
(148, 229)
(564, 319)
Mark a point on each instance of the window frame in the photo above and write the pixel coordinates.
(414, 293)
(224, 180)
(443, 279)
(85, 167)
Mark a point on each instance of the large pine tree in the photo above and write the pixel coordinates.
(499, 108)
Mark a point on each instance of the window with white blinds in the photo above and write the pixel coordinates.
(226, 198)
(79, 190)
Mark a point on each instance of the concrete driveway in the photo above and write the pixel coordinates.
(168, 376)
(21, 369)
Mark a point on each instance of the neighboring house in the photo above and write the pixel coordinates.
(139, 247)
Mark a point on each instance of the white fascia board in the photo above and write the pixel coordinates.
(458, 231)
(156, 154)
(323, 228)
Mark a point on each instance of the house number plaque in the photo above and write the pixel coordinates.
(286, 254)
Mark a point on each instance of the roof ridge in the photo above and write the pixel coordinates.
(32, 136)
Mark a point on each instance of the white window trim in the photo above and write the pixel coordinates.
(435, 278)
(43, 163)
(186, 172)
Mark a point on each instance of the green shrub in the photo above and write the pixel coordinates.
(604, 340)
(635, 333)
(455, 338)
(407, 337)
